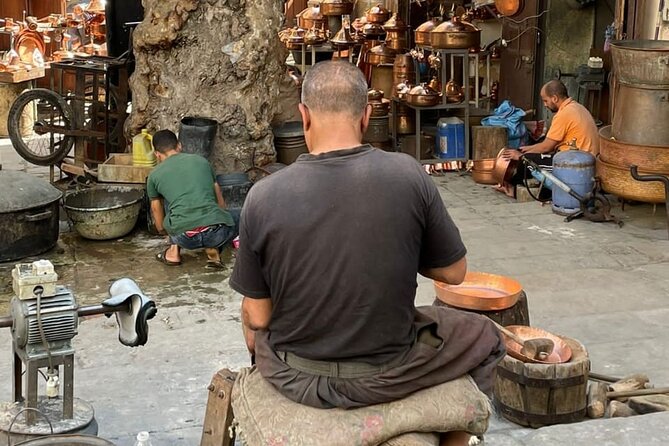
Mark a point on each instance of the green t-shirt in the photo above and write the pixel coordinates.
(186, 182)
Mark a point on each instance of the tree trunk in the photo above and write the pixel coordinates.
(219, 59)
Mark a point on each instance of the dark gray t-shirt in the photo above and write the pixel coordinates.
(336, 241)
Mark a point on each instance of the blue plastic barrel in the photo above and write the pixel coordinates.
(450, 141)
(576, 169)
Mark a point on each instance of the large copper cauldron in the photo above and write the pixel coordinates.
(643, 62)
(625, 155)
(455, 34)
(642, 115)
(422, 33)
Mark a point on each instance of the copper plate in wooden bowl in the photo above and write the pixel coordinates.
(561, 352)
(480, 292)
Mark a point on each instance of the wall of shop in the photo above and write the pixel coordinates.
(568, 38)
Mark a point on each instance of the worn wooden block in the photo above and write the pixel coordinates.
(487, 141)
(619, 409)
(597, 399)
(649, 403)
(631, 382)
(218, 416)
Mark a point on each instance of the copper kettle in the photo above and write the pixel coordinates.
(453, 92)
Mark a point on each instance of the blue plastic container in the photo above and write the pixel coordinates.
(576, 169)
(450, 141)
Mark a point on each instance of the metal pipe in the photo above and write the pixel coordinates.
(89, 310)
(661, 178)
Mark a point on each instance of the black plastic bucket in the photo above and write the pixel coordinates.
(234, 187)
(196, 135)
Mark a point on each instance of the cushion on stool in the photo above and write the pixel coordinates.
(265, 417)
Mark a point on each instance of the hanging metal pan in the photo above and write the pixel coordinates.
(509, 7)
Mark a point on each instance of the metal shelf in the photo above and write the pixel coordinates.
(467, 104)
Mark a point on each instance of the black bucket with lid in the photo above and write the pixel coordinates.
(196, 135)
(234, 187)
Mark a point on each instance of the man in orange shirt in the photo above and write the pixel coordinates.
(572, 121)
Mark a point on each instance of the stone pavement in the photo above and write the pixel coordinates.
(603, 285)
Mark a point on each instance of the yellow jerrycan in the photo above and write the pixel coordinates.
(142, 150)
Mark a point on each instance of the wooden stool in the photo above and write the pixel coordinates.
(519, 314)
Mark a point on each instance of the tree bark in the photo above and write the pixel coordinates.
(219, 59)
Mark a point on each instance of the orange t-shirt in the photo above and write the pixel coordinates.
(571, 121)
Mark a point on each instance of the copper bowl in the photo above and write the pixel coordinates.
(482, 172)
(561, 352)
(481, 292)
(504, 169)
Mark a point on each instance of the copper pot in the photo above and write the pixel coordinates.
(618, 181)
(314, 36)
(626, 154)
(336, 7)
(482, 172)
(373, 30)
(396, 33)
(422, 33)
(311, 17)
(294, 39)
(381, 54)
(380, 106)
(423, 96)
(455, 34)
(377, 14)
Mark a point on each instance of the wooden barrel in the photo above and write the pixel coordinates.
(519, 314)
(538, 395)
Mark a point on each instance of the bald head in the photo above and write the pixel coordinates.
(335, 87)
(555, 87)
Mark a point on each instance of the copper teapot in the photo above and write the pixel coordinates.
(453, 92)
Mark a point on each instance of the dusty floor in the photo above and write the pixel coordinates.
(605, 286)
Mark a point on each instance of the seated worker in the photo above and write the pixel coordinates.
(330, 248)
(572, 122)
(187, 203)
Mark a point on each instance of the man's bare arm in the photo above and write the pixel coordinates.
(219, 196)
(452, 274)
(158, 213)
(256, 315)
(545, 146)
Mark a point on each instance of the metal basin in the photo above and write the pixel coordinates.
(480, 292)
(105, 212)
(641, 61)
(618, 181)
(624, 154)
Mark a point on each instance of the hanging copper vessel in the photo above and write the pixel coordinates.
(455, 34)
(422, 33)
(377, 14)
(336, 7)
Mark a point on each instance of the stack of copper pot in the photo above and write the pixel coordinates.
(639, 134)
(311, 29)
(378, 131)
(404, 77)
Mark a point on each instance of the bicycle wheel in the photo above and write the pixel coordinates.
(44, 143)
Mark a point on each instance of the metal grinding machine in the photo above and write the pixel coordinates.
(44, 318)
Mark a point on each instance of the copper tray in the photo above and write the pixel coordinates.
(561, 351)
(480, 292)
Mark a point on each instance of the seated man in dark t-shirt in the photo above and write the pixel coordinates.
(330, 248)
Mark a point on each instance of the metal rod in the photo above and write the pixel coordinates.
(637, 392)
(605, 378)
(89, 310)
